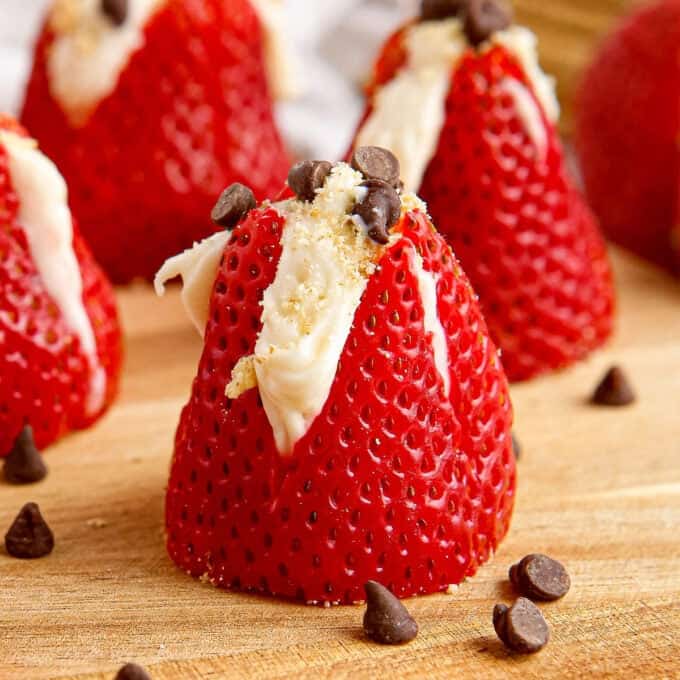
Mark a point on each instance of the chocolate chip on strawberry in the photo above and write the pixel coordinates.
(24, 464)
(132, 671)
(614, 389)
(29, 536)
(234, 203)
(380, 209)
(306, 177)
(516, 447)
(485, 17)
(374, 162)
(386, 620)
(115, 10)
(440, 9)
(539, 577)
(521, 627)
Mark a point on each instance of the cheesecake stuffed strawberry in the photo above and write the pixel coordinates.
(459, 97)
(60, 347)
(350, 419)
(149, 108)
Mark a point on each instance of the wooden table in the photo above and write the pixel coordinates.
(598, 489)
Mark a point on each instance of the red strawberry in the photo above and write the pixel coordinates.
(397, 479)
(495, 183)
(53, 302)
(627, 127)
(189, 113)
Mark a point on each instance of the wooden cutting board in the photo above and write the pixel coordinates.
(598, 489)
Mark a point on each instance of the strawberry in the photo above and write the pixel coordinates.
(188, 112)
(60, 343)
(405, 475)
(627, 127)
(476, 136)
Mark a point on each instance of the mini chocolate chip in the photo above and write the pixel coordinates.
(233, 204)
(374, 162)
(116, 10)
(29, 536)
(516, 447)
(380, 209)
(306, 177)
(521, 627)
(440, 9)
(386, 620)
(614, 389)
(132, 671)
(24, 464)
(539, 577)
(485, 17)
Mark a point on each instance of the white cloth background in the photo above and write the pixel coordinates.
(335, 42)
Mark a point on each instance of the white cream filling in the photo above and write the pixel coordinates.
(427, 286)
(278, 56)
(46, 220)
(308, 310)
(409, 111)
(528, 113)
(89, 52)
(198, 269)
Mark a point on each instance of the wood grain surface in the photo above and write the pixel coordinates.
(598, 489)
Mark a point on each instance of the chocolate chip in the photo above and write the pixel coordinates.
(440, 9)
(306, 177)
(234, 203)
(132, 671)
(24, 464)
(521, 627)
(539, 577)
(614, 389)
(516, 447)
(116, 10)
(29, 536)
(485, 17)
(386, 620)
(374, 162)
(380, 209)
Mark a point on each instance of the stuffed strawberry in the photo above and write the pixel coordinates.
(60, 347)
(350, 418)
(627, 130)
(459, 97)
(149, 107)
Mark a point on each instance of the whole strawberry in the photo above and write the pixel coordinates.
(60, 345)
(149, 107)
(350, 419)
(627, 128)
(461, 100)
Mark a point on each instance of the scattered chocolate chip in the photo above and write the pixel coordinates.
(306, 177)
(386, 620)
(440, 9)
(116, 10)
(29, 536)
(132, 671)
(485, 17)
(521, 627)
(233, 204)
(516, 447)
(374, 162)
(539, 577)
(380, 209)
(614, 389)
(24, 464)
